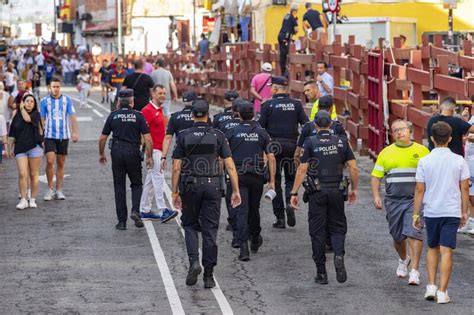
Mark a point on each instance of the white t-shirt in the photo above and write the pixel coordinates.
(9, 78)
(40, 60)
(441, 171)
(65, 65)
(3, 127)
(82, 79)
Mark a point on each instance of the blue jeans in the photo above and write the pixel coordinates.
(244, 24)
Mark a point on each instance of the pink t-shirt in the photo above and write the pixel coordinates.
(148, 68)
(265, 91)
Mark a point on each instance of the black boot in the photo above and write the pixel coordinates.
(194, 271)
(255, 243)
(137, 218)
(341, 274)
(102, 101)
(321, 278)
(290, 216)
(121, 226)
(209, 282)
(244, 251)
(235, 243)
(279, 224)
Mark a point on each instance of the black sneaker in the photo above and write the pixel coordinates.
(235, 243)
(194, 271)
(208, 278)
(138, 220)
(279, 224)
(341, 274)
(290, 216)
(321, 278)
(121, 226)
(255, 243)
(244, 251)
(102, 101)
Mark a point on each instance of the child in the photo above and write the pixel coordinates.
(442, 185)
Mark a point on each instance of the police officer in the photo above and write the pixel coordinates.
(179, 121)
(197, 189)
(309, 129)
(249, 144)
(289, 27)
(280, 116)
(323, 160)
(127, 126)
(219, 119)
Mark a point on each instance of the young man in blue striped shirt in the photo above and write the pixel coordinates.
(60, 125)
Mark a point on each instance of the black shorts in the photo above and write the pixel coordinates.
(48, 81)
(57, 146)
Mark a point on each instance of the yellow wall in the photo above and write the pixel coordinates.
(430, 17)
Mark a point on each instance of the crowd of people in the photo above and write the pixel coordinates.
(269, 140)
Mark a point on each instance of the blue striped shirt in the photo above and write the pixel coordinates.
(56, 113)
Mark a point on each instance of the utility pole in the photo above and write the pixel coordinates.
(55, 12)
(194, 23)
(119, 26)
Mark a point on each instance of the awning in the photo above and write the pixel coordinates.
(107, 26)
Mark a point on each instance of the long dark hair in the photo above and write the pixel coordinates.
(35, 107)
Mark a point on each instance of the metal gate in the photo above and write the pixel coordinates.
(376, 127)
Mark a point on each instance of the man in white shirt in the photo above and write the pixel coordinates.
(324, 79)
(442, 186)
(39, 60)
(65, 69)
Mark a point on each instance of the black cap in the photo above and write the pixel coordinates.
(231, 95)
(322, 119)
(245, 107)
(279, 80)
(325, 102)
(189, 96)
(236, 104)
(200, 108)
(127, 93)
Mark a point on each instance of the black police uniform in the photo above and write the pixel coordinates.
(219, 119)
(248, 142)
(284, 38)
(326, 155)
(127, 127)
(182, 119)
(200, 148)
(309, 130)
(280, 116)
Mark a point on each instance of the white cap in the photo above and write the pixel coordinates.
(294, 7)
(267, 67)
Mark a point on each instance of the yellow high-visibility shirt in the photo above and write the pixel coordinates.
(315, 108)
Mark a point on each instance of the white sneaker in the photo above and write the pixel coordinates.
(49, 195)
(430, 293)
(23, 204)
(468, 228)
(402, 270)
(33, 203)
(60, 195)
(414, 277)
(442, 297)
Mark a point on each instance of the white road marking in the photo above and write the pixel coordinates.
(218, 294)
(168, 282)
(97, 113)
(44, 179)
(84, 118)
(93, 102)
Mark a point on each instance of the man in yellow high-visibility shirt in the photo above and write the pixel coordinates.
(311, 91)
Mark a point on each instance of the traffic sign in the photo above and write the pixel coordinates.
(333, 5)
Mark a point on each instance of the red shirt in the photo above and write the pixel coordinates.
(156, 123)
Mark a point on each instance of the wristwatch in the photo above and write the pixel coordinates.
(293, 194)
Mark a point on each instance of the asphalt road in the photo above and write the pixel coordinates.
(67, 257)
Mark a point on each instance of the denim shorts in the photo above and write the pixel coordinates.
(33, 153)
(442, 231)
(231, 21)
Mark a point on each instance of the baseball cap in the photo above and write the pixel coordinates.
(189, 96)
(325, 102)
(127, 93)
(245, 107)
(322, 119)
(200, 108)
(279, 80)
(267, 67)
(231, 95)
(236, 104)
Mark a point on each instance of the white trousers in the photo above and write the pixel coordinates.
(154, 181)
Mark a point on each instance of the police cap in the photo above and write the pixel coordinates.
(200, 108)
(325, 102)
(322, 119)
(231, 96)
(245, 107)
(189, 96)
(236, 104)
(127, 93)
(279, 80)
